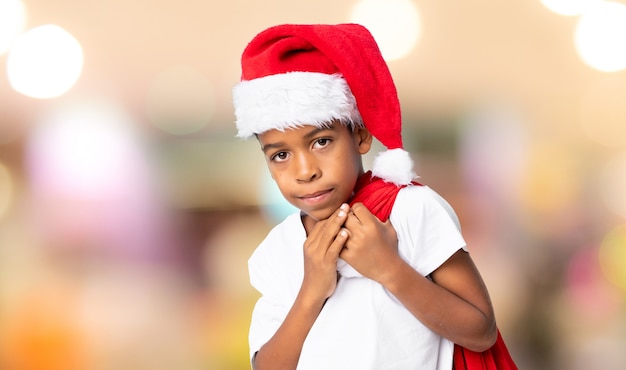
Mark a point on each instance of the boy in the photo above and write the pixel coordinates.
(383, 283)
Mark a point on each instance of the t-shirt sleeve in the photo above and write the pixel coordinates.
(428, 228)
(272, 307)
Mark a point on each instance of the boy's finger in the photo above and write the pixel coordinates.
(337, 220)
(338, 244)
(339, 217)
(362, 213)
(333, 224)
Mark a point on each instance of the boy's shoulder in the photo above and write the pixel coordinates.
(277, 256)
(290, 225)
(279, 239)
(416, 194)
(422, 200)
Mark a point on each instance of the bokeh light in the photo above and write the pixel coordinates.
(83, 150)
(45, 62)
(601, 35)
(41, 331)
(92, 186)
(6, 190)
(496, 127)
(550, 181)
(569, 7)
(180, 101)
(613, 183)
(586, 286)
(613, 256)
(395, 24)
(12, 19)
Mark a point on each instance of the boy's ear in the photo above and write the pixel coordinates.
(364, 139)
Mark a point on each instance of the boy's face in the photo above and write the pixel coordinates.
(316, 168)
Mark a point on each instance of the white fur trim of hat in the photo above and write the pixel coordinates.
(290, 100)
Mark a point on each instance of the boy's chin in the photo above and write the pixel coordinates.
(319, 215)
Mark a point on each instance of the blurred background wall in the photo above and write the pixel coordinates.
(128, 209)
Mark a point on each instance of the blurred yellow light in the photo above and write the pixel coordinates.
(395, 24)
(613, 256)
(12, 17)
(180, 101)
(613, 183)
(6, 190)
(550, 182)
(44, 62)
(601, 35)
(569, 7)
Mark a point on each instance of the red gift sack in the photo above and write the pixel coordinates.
(495, 358)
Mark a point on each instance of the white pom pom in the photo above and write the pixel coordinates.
(394, 165)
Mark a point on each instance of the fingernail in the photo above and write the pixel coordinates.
(341, 213)
(343, 233)
(344, 206)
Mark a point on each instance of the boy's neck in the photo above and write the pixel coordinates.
(308, 222)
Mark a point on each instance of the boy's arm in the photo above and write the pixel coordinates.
(321, 251)
(282, 351)
(455, 304)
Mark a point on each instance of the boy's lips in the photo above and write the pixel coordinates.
(316, 197)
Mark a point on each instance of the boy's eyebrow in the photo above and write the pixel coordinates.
(266, 147)
(308, 135)
(317, 130)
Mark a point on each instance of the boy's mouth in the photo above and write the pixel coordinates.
(316, 197)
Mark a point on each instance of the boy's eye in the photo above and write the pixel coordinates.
(279, 157)
(321, 142)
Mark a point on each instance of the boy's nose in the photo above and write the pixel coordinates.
(307, 169)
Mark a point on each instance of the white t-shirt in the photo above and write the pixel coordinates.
(362, 326)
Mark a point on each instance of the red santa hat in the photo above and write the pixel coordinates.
(294, 75)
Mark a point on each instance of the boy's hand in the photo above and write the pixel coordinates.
(321, 252)
(372, 245)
